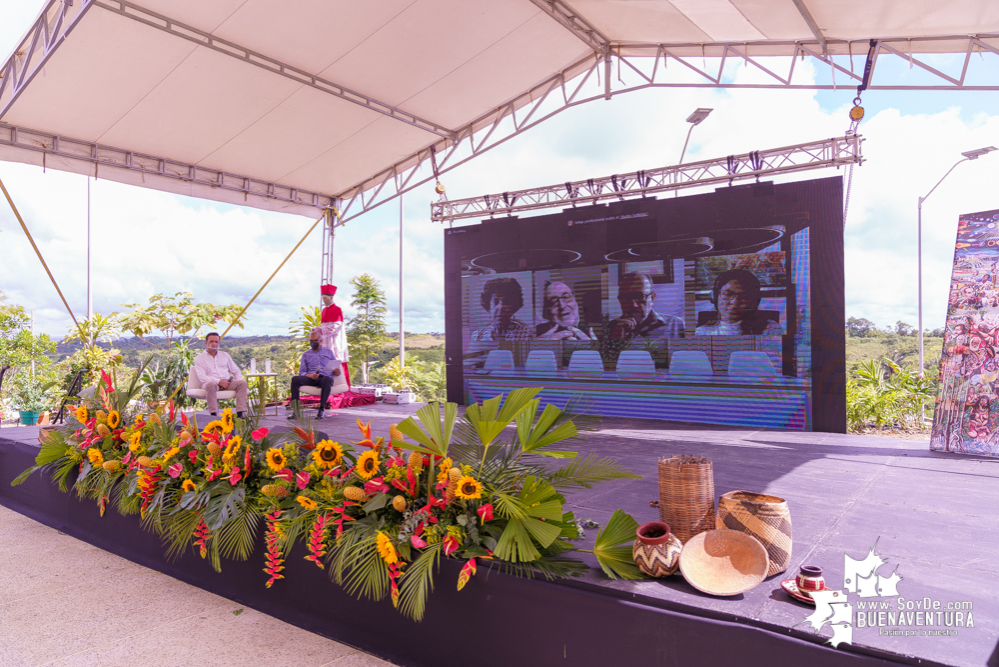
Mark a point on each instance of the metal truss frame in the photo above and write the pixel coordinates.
(56, 21)
(647, 66)
(107, 156)
(835, 152)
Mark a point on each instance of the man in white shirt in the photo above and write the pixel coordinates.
(216, 370)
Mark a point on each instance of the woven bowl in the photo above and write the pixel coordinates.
(724, 562)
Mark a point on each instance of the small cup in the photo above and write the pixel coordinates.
(810, 579)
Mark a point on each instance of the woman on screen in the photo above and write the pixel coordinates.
(502, 298)
(736, 297)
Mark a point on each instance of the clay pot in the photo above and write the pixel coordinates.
(657, 550)
(810, 579)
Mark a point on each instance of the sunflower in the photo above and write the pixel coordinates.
(114, 420)
(468, 488)
(386, 549)
(367, 464)
(276, 459)
(307, 503)
(327, 454)
(212, 427)
(95, 456)
(188, 486)
(81, 414)
(135, 441)
(227, 421)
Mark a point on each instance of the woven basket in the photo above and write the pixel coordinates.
(764, 517)
(687, 495)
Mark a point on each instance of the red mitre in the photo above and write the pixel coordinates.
(327, 289)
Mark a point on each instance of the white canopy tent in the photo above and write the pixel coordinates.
(300, 104)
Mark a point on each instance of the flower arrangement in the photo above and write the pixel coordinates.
(378, 513)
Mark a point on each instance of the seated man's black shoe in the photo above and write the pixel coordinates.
(240, 415)
(214, 414)
(320, 414)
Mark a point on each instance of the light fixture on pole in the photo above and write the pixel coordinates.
(968, 155)
(694, 119)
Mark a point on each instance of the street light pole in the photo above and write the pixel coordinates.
(694, 119)
(968, 155)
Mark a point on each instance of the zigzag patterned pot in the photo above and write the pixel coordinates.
(656, 551)
(766, 518)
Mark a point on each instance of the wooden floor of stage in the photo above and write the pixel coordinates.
(931, 514)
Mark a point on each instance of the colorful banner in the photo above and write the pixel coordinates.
(966, 419)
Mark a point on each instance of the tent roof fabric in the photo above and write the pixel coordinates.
(289, 105)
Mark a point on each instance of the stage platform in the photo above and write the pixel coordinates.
(932, 516)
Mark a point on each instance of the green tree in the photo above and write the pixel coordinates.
(301, 329)
(366, 332)
(18, 346)
(177, 315)
(860, 327)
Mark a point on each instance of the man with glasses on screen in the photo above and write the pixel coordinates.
(561, 313)
(636, 295)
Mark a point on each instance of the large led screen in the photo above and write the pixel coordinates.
(722, 308)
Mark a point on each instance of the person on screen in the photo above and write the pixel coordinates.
(502, 298)
(636, 295)
(736, 297)
(561, 313)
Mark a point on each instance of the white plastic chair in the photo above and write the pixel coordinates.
(499, 360)
(194, 389)
(339, 386)
(689, 362)
(541, 362)
(586, 363)
(751, 363)
(636, 364)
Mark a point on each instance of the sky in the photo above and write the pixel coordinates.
(146, 242)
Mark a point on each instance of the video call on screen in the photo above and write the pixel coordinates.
(698, 309)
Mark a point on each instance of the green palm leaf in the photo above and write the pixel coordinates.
(613, 547)
(584, 473)
(435, 436)
(418, 581)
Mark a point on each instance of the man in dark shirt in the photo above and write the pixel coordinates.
(312, 372)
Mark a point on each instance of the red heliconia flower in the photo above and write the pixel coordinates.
(260, 433)
(183, 418)
(247, 461)
(466, 573)
(317, 540)
(485, 512)
(273, 555)
(201, 535)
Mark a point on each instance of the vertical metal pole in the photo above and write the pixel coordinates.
(402, 330)
(919, 280)
(90, 296)
(676, 193)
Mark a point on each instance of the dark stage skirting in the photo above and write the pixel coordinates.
(496, 620)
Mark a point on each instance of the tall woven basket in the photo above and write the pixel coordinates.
(764, 517)
(687, 495)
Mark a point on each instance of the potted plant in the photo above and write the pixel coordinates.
(30, 399)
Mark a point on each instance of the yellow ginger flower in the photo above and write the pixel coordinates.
(399, 503)
(455, 474)
(144, 461)
(215, 449)
(395, 433)
(155, 419)
(103, 430)
(102, 417)
(112, 466)
(416, 462)
(386, 549)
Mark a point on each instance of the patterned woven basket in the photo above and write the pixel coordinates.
(687, 495)
(764, 517)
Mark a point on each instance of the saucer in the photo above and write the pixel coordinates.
(791, 587)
